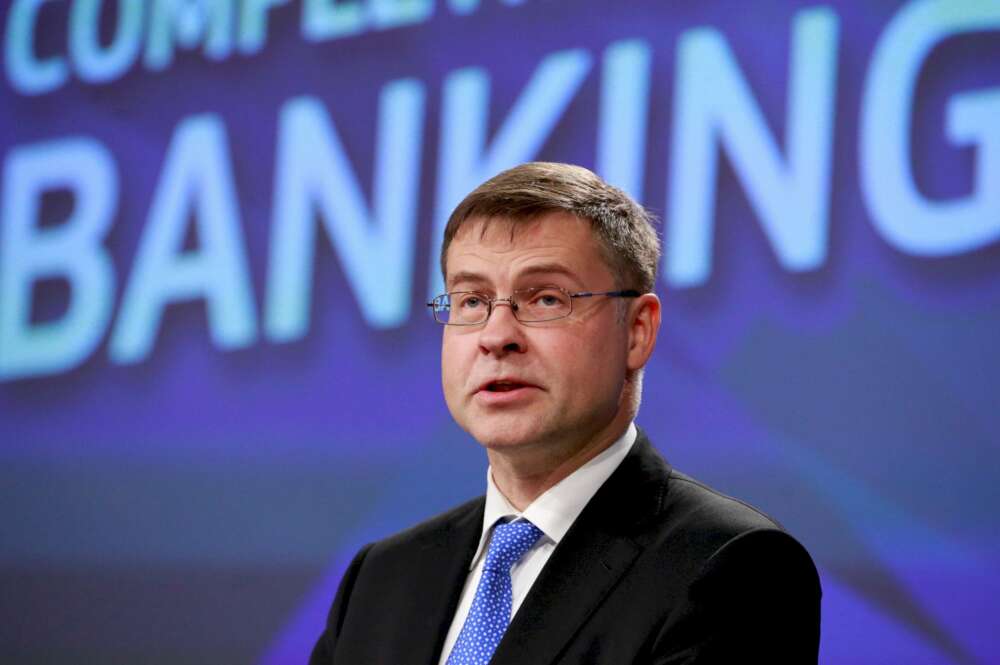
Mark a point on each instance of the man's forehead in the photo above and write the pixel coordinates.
(483, 230)
(556, 243)
(501, 230)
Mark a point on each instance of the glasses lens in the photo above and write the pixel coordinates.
(542, 303)
(466, 308)
(441, 305)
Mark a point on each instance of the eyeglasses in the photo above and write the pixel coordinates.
(532, 305)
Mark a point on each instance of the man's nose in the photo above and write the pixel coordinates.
(502, 333)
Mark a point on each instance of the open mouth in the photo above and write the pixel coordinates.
(502, 386)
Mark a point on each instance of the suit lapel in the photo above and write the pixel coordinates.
(443, 564)
(598, 549)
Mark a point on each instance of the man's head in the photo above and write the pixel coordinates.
(549, 388)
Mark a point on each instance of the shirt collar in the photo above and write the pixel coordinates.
(558, 507)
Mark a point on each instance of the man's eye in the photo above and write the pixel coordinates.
(548, 298)
(471, 302)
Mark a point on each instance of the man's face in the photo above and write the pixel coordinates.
(557, 383)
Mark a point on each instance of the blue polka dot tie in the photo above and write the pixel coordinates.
(490, 611)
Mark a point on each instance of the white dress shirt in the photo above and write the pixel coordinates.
(553, 513)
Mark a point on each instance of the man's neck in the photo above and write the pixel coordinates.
(524, 475)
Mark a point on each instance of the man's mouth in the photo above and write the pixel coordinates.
(503, 386)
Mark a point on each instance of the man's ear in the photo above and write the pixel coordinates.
(643, 326)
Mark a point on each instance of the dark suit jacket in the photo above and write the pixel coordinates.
(658, 568)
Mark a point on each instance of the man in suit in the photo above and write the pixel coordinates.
(587, 547)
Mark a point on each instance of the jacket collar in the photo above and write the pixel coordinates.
(599, 548)
(557, 509)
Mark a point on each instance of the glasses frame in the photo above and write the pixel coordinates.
(511, 301)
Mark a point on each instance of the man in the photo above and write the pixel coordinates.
(587, 547)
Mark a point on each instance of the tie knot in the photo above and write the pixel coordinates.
(509, 543)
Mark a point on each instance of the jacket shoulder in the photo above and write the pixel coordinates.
(750, 588)
(683, 500)
(694, 503)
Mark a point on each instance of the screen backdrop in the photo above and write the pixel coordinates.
(219, 226)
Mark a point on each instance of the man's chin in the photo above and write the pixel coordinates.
(501, 437)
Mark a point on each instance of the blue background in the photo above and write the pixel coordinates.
(200, 504)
